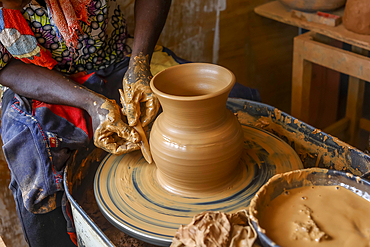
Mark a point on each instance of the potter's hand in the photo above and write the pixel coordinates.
(111, 133)
(137, 93)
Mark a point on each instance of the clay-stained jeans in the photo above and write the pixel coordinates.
(54, 221)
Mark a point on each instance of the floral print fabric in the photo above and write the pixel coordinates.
(101, 43)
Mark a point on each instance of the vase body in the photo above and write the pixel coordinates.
(196, 142)
(356, 16)
(313, 5)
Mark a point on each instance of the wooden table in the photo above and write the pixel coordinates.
(314, 47)
(276, 11)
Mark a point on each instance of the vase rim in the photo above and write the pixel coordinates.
(223, 90)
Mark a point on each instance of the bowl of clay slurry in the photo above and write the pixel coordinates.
(313, 5)
(312, 207)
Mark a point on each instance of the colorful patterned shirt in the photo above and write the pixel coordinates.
(102, 43)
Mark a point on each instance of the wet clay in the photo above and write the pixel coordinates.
(196, 142)
(128, 192)
(317, 216)
(356, 16)
(216, 229)
(144, 145)
(307, 148)
(136, 92)
(113, 135)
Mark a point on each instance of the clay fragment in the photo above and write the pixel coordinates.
(216, 229)
(308, 228)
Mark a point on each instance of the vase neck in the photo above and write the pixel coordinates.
(195, 114)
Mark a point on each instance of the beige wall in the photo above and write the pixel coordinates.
(229, 33)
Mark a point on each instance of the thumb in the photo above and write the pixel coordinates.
(124, 131)
(132, 111)
(131, 107)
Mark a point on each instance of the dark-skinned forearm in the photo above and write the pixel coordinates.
(150, 17)
(48, 86)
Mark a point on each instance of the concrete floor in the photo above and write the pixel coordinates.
(10, 227)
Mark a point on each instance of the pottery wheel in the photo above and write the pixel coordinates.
(130, 197)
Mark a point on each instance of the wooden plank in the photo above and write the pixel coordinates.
(301, 83)
(319, 17)
(346, 62)
(324, 90)
(324, 97)
(355, 100)
(365, 124)
(338, 127)
(276, 11)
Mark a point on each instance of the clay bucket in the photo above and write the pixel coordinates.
(313, 5)
(300, 178)
(196, 142)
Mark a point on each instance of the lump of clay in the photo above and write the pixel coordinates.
(216, 229)
(309, 229)
(357, 16)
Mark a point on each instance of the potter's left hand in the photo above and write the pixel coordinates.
(137, 98)
(111, 133)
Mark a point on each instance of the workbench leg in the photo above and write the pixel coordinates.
(301, 83)
(355, 100)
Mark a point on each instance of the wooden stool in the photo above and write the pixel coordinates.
(311, 48)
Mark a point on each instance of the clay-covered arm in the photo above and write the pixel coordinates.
(52, 87)
(137, 98)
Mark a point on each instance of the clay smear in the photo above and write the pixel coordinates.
(307, 148)
(113, 135)
(129, 184)
(317, 216)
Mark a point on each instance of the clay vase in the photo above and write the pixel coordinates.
(313, 5)
(196, 142)
(356, 16)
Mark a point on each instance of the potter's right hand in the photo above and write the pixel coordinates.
(111, 133)
(138, 100)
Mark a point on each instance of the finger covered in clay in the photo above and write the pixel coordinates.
(113, 135)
